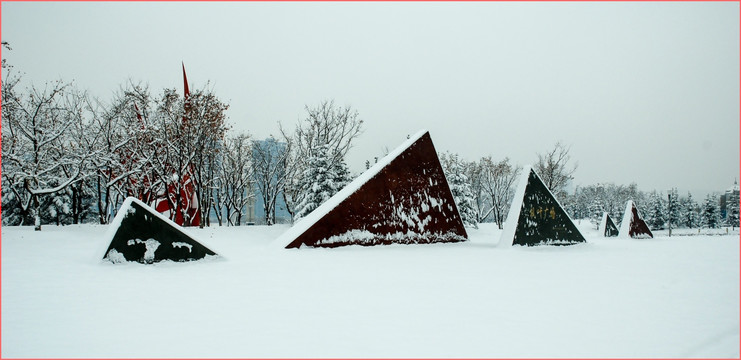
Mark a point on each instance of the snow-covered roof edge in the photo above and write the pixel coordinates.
(309, 220)
(624, 231)
(507, 236)
(603, 224)
(116, 223)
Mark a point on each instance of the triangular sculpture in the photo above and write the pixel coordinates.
(402, 199)
(607, 227)
(536, 217)
(633, 225)
(141, 234)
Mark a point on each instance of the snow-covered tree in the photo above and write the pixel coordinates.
(460, 188)
(323, 178)
(269, 159)
(596, 211)
(343, 176)
(326, 125)
(732, 206)
(473, 171)
(121, 166)
(655, 217)
(498, 182)
(710, 213)
(613, 198)
(732, 218)
(673, 209)
(234, 182)
(41, 154)
(58, 206)
(688, 216)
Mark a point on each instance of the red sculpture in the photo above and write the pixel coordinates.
(403, 199)
(180, 200)
(633, 225)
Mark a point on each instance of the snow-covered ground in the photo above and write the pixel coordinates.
(662, 297)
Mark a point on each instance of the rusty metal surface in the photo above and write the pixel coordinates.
(407, 202)
(638, 227)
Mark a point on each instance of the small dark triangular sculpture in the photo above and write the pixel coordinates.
(403, 199)
(607, 227)
(140, 234)
(536, 217)
(633, 225)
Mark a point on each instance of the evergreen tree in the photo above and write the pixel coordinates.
(58, 207)
(342, 173)
(460, 188)
(732, 219)
(673, 209)
(689, 216)
(595, 212)
(655, 216)
(732, 207)
(710, 216)
(321, 179)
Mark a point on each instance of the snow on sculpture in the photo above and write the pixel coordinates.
(403, 199)
(536, 217)
(633, 225)
(607, 227)
(141, 234)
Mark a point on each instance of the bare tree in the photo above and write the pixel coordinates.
(269, 160)
(326, 126)
(178, 151)
(497, 181)
(122, 132)
(206, 116)
(474, 171)
(555, 170)
(40, 154)
(235, 180)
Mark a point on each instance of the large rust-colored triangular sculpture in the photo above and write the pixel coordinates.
(633, 225)
(403, 199)
(141, 234)
(536, 217)
(607, 227)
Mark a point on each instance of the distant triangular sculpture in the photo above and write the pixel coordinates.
(403, 199)
(633, 225)
(536, 217)
(141, 234)
(607, 227)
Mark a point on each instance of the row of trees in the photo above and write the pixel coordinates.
(659, 211)
(484, 189)
(69, 157)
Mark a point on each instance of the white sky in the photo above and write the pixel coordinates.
(643, 92)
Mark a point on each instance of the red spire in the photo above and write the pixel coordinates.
(138, 114)
(185, 83)
(186, 96)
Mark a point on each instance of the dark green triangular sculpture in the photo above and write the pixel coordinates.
(542, 221)
(144, 236)
(610, 228)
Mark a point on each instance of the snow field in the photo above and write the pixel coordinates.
(662, 297)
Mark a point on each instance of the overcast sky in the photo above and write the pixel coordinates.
(642, 92)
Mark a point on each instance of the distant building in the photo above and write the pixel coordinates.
(729, 197)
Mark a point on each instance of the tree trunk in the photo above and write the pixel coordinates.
(37, 215)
